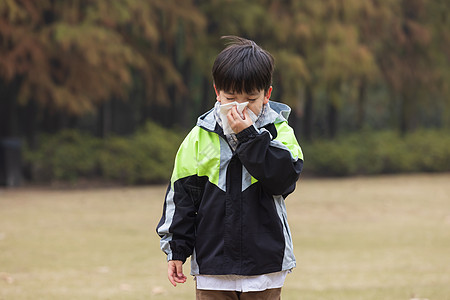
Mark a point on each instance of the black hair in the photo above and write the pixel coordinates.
(242, 66)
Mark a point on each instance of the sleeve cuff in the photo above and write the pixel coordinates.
(246, 134)
(177, 256)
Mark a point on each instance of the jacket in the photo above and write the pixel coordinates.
(226, 208)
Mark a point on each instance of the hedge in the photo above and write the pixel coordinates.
(385, 152)
(148, 155)
(145, 157)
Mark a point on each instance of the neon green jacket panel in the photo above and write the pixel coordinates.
(286, 136)
(192, 161)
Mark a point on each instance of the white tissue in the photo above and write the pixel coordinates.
(224, 108)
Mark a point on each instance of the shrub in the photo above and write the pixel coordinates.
(145, 157)
(330, 158)
(431, 149)
(148, 155)
(366, 153)
(66, 156)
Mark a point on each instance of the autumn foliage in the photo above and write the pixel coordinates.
(105, 65)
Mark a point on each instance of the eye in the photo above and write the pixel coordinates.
(229, 99)
(251, 100)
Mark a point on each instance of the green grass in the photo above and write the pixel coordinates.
(356, 238)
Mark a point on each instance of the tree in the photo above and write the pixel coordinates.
(348, 62)
(402, 42)
(66, 58)
(324, 39)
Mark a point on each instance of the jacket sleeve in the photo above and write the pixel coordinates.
(276, 163)
(177, 224)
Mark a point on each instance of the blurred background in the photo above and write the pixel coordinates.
(106, 90)
(97, 93)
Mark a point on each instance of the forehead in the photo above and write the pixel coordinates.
(252, 93)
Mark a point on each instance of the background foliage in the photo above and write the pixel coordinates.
(107, 68)
(145, 157)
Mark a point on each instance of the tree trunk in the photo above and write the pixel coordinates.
(104, 119)
(332, 118)
(185, 101)
(406, 111)
(8, 111)
(334, 99)
(362, 96)
(208, 95)
(308, 113)
(29, 123)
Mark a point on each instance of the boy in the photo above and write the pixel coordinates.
(225, 202)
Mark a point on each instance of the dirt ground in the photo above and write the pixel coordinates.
(385, 237)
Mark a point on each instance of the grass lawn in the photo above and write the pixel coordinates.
(355, 238)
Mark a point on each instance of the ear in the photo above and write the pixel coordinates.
(217, 93)
(267, 95)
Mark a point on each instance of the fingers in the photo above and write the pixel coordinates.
(175, 272)
(236, 122)
(171, 273)
(180, 275)
(235, 113)
(246, 115)
(230, 116)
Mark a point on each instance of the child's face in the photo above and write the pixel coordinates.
(256, 99)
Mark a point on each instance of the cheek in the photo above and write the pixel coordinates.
(255, 108)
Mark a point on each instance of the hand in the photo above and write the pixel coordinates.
(237, 123)
(175, 272)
